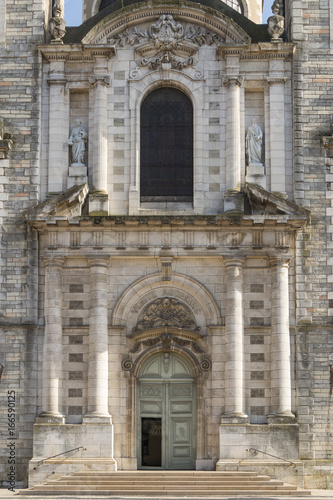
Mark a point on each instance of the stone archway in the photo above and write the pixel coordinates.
(176, 316)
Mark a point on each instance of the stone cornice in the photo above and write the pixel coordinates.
(76, 52)
(196, 223)
(257, 50)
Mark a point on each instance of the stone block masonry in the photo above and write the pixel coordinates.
(21, 29)
(312, 117)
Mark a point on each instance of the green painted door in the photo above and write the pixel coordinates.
(166, 413)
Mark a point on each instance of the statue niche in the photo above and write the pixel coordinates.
(77, 174)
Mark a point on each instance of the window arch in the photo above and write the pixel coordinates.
(166, 137)
(105, 3)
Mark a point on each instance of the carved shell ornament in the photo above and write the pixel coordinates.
(163, 39)
(166, 311)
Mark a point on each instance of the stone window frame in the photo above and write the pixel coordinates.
(139, 88)
(184, 170)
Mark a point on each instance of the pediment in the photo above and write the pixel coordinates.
(147, 28)
(62, 206)
(265, 203)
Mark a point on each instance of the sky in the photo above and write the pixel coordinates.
(73, 12)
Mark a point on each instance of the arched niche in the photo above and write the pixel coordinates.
(186, 290)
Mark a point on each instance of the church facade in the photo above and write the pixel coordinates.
(165, 216)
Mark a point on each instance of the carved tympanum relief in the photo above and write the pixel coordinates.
(166, 314)
(166, 311)
(165, 38)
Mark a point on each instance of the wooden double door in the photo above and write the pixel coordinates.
(166, 413)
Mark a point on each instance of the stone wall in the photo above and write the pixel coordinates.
(313, 72)
(20, 114)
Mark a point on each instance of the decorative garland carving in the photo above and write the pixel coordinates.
(166, 311)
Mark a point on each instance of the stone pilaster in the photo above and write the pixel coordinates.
(233, 136)
(234, 344)
(98, 203)
(277, 81)
(52, 344)
(280, 343)
(58, 128)
(98, 372)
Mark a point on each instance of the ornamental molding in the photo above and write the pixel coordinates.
(166, 312)
(166, 41)
(137, 14)
(167, 58)
(167, 339)
(166, 34)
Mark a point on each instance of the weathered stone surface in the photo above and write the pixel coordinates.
(250, 264)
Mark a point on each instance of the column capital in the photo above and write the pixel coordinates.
(276, 80)
(54, 261)
(232, 80)
(279, 261)
(234, 261)
(57, 81)
(100, 261)
(103, 79)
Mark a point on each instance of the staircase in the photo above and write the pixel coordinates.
(165, 484)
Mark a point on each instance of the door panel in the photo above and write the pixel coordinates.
(181, 445)
(166, 420)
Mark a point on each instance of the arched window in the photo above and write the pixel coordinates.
(166, 146)
(236, 5)
(105, 3)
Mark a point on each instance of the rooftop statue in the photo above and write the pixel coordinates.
(57, 25)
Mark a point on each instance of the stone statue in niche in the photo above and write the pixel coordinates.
(254, 143)
(77, 140)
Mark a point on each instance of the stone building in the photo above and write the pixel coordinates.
(165, 216)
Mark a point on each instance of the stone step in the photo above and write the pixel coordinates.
(163, 480)
(165, 483)
(189, 493)
(175, 487)
(162, 483)
(165, 473)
